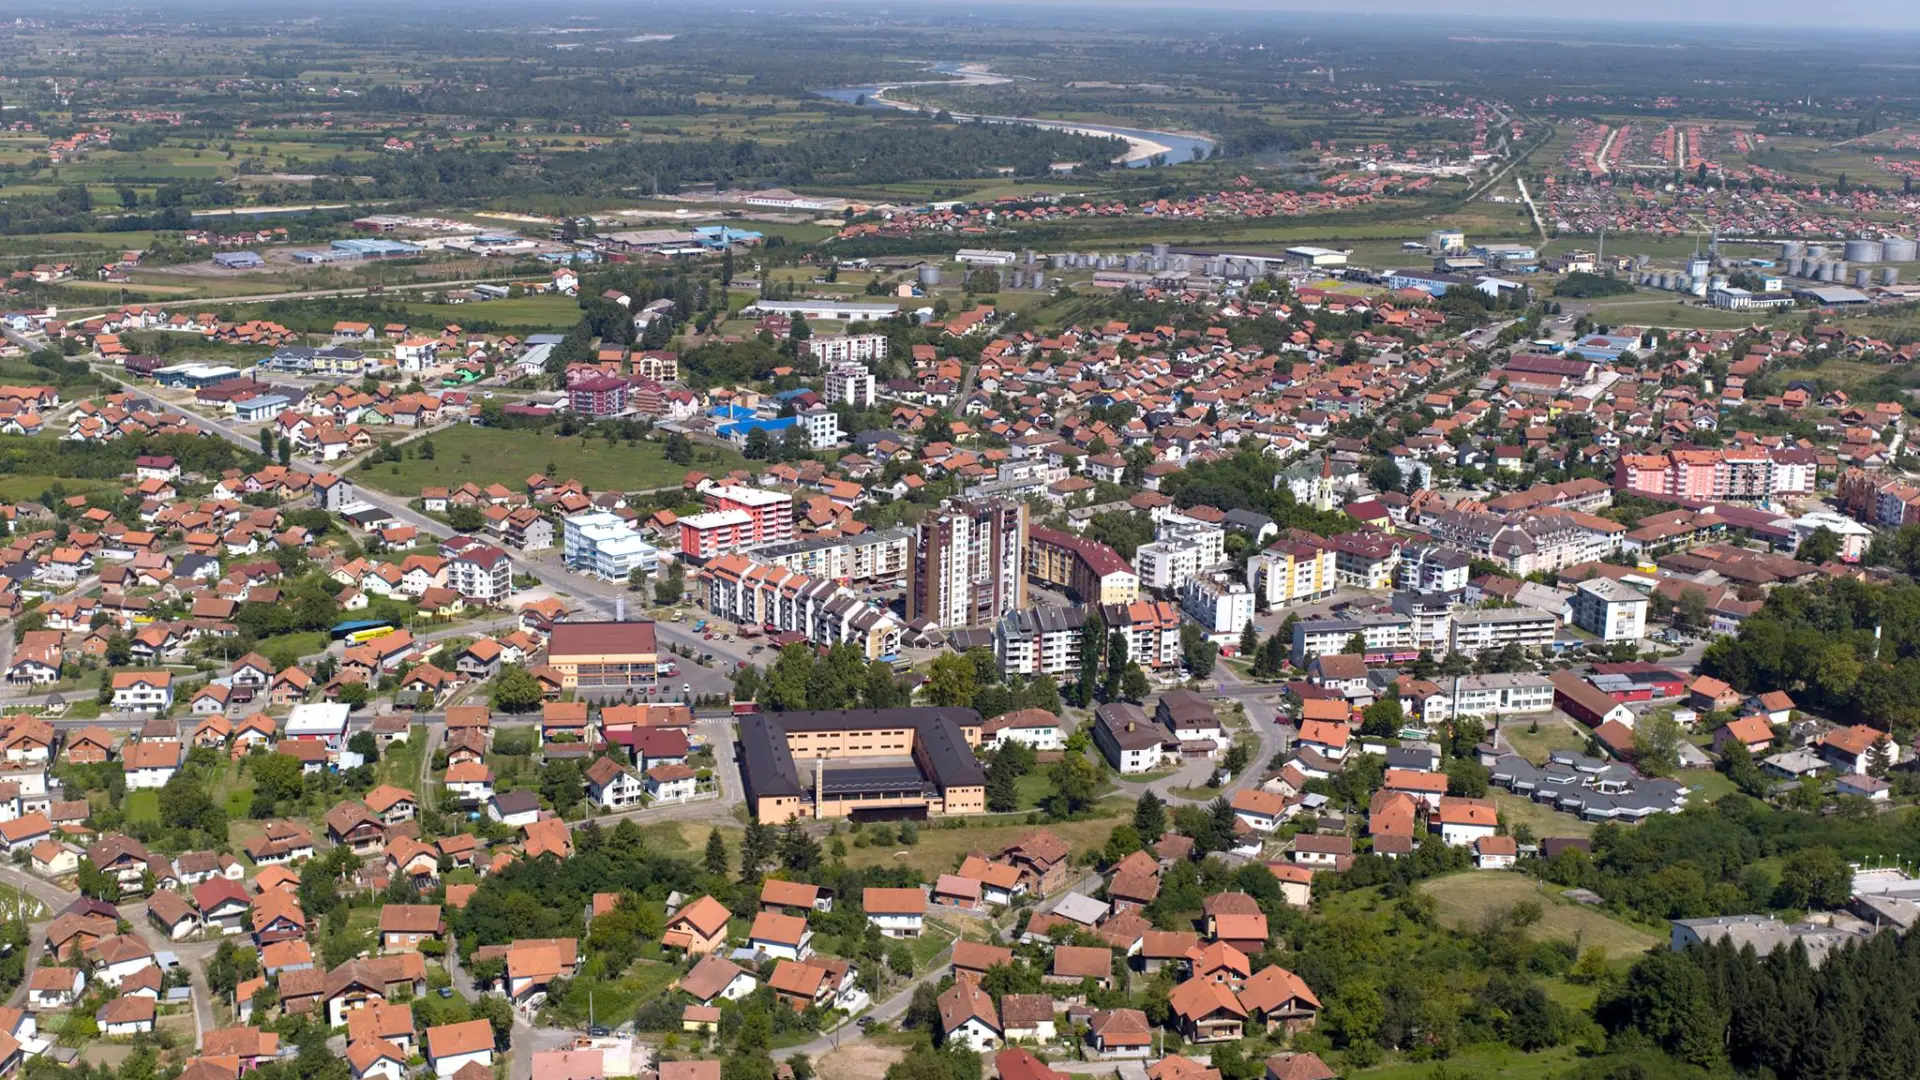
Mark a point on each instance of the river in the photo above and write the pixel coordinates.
(1143, 144)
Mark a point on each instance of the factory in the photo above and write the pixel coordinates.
(1311, 258)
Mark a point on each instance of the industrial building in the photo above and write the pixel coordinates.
(886, 764)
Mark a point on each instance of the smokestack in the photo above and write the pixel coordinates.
(619, 609)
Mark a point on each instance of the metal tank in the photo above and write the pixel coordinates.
(1792, 249)
(1795, 266)
(1862, 278)
(1816, 251)
(1889, 277)
(1863, 251)
(1898, 249)
(929, 275)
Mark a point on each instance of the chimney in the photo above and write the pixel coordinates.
(619, 609)
(819, 784)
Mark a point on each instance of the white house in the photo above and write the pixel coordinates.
(968, 1018)
(1464, 822)
(450, 1047)
(671, 782)
(142, 691)
(899, 913)
(125, 1017)
(1036, 728)
(611, 787)
(55, 987)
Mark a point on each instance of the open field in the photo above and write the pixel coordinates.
(18, 486)
(1645, 309)
(486, 456)
(1464, 898)
(546, 312)
(940, 850)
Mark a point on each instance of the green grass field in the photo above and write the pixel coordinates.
(1465, 898)
(546, 312)
(1542, 820)
(18, 486)
(487, 456)
(1535, 746)
(1491, 1062)
(940, 850)
(143, 806)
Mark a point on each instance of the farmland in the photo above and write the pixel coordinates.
(1466, 899)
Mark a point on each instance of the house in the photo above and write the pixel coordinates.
(450, 1047)
(1027, 1016)
(715, 978)
(784, 937)
(223, 905)
(1316, 850)
(1280, 999)
(1460, 822)
(376, 1059)
(973, 959)
(1496, 852)
(1236, 919)
(1298, 1065)
(1041, 858)
(142, 691)
(969, 1018)
(379, 1022)
(1120, 1033)
(1074, 964)
(517, 808)
(793, 896)
(800, 986)
(25, 833)
(55, 987)
(899, 913)
(404, 926)
(699, 928)
(125, 1017)
(353, 826)
(392, 805)
(1206, 1011)
(611, 787)
(1754, 731)
(174, 914)
(1261, 810)
(1015, 1063)
(1856, 749)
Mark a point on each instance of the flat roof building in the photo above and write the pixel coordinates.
(901, 763)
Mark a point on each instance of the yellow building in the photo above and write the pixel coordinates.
(1092, 571)
(916, 761)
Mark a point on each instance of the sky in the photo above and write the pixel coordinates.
(1902, 14)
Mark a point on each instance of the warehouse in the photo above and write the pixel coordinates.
(824, 310)
(238, 260)
(1315, 257)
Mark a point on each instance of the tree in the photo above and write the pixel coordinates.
(716, 857)
(277, 779)
(1197, 651)
(1092, 637)
(1134, 686)
(799, 852)
(515, 690)
(669, 588)
(1822, 545)
(1249, 640)
(1814, 879)
(364, 744)
(1384, 718)
(1656, 742)
(1076, 785)
(952, 680)
(757, 848)
(1149, 817)
(1116, 661)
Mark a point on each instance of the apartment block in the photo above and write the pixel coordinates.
(969, 563)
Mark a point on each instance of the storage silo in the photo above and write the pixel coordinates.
(1026, 256)
(1889, 277)
(1795, 266)
(1792, 249)
(1160, 250)
(1863, 251)
(1862, 278)
(1015, 279)
(929, 275)
(1898, 249)
(1816, 251)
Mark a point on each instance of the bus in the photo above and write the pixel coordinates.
(363, 630)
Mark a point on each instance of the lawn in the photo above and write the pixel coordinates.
(508, 457)
(616, 1000)
(1543, 820)
(296, 645)
(1465, 898)
(1536, 745)
(940, 850)
(143, 805)
(15, 904)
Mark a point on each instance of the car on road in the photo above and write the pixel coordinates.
(865, 1021)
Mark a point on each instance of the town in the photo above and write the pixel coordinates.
(564, 548)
